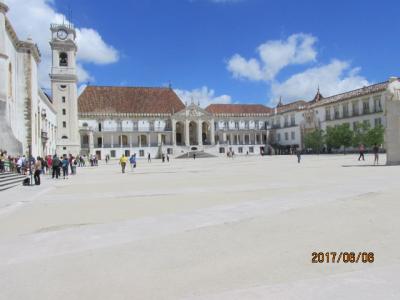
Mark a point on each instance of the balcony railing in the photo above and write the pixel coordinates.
(137, 129)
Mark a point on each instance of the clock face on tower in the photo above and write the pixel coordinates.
(62, 34)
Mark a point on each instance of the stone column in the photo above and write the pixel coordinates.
(174, 132)
(187, 141)
(140, 140)
(91, 142)
(148, 140)
(392, 114)
(350, 108)
(112, 140)
(212, 132)
(199, 133)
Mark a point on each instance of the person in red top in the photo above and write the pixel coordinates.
(361, 150)
(49, 162)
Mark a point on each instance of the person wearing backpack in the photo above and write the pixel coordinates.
(65, 166)
(56, 167)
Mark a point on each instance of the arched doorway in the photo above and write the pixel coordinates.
(142, 140)
(180, 133)
(206, 133)
(193, 133)
(123, 140)
(85, 141)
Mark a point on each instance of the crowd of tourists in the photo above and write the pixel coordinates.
(52, 165)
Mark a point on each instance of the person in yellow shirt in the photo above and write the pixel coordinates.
(122, 161)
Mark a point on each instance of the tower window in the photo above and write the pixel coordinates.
(64, 124)
(63, 99)
(63, 59)
(64, 111)
(64, 137)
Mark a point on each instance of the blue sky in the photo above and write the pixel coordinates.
(247, 51)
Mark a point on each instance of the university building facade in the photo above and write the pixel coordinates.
(113, 121)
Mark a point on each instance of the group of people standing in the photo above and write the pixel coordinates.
(375, 150)
(64, 163)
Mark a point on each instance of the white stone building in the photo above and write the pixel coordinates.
(27, 116)
(290, 122)
(146, 120)
(126, 120)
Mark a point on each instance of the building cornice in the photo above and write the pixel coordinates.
(64, 45)
(22, 46)
(232, 115)
(46, 100)
(3, 8)
(122, 115)
(64, 77)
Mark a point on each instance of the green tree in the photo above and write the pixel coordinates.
(360, 134)
(375, 135)
(331, 138)
(339, 136)
(314, 140)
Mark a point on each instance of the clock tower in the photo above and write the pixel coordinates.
(64, 88)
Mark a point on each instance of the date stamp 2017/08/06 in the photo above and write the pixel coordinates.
(342, 257)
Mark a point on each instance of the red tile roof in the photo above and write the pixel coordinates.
(374, 88)
(238, 109)
(292, 106)
(150, 100)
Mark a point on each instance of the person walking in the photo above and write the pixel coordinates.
(375, 149)
(361, 150)
(194, 155)
(107, 158)
(167, 157)
(122, 161)
(38, 170)
(298, 154)
(132, 161)
(56, 164)
(163, 157)
(149, 158)
(65, 165)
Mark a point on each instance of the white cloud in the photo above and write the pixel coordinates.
(274, 55)
(81, 88)
(298, 49)
(204, 95)
(83, 75)
(32, 18)
(93, 49)
(333, 78)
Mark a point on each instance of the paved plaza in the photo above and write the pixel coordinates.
(214, 228)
